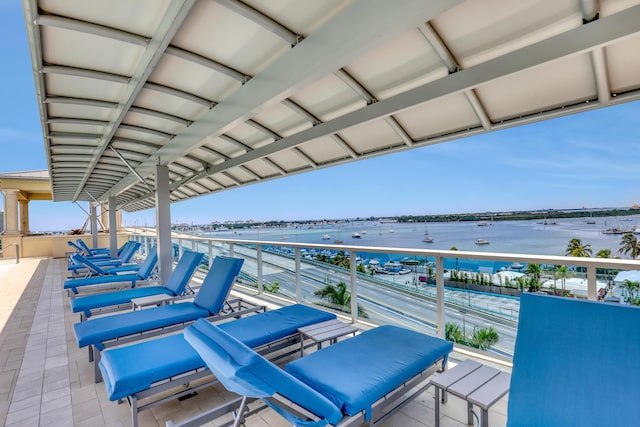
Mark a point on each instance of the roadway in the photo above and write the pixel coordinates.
(398, 303)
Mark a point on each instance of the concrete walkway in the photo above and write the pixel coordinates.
(33, 349)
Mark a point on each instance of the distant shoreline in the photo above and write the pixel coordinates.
(486, 217)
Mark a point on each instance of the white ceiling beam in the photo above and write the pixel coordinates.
(579, 40)
(83, 72)
(169, 25)
(179, 94)
(601, 75)
(207, 63)
(91, 28)
(337, 43)
(262, 20)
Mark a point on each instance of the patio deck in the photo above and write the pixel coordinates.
(46, 380)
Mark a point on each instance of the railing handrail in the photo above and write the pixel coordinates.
(612, 263)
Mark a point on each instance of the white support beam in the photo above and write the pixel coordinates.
(113, 227)
(163, 224)
(176, 13)
(578, 40)
(93, 218)
(337, 43)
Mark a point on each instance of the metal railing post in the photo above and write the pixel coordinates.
(17, 253)
(259, 262)
(297, 268)
(591, 283)
(440, 295)
(210, 252)
(352, 286)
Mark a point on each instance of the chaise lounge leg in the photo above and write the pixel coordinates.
(134, 411)
(239, 418)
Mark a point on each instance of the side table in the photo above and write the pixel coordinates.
(475, 383)
(330, 331)
(160, 299)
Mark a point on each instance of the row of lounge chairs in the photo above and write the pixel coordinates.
(153, 366)
(557, 370)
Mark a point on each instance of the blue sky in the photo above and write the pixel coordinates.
(587, 159)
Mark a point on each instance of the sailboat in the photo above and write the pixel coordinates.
(427, 238)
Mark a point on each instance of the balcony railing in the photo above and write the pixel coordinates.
(413, 299)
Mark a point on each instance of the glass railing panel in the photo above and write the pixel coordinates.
(480, 297)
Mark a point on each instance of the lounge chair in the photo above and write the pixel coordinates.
(575, 364)
(358, 380)
(210, 302)
(79, 263)
(92, 252)
(150, 371)
(103, 276)
(110, 301)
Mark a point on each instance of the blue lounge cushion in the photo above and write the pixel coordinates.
(181, 275)
(98, 330)
(73, 284)
(575, 363)
(143, 272)
(355, 373)
(215, 287)
(134, 368)
(91, 302)
(175, 286)
(245, 372)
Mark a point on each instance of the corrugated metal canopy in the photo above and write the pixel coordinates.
(229, 93)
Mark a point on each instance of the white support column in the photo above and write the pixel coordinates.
(440, 295)
(24, 217)
(163, 223)
(94, 225)
(113, 229)
(11, 212)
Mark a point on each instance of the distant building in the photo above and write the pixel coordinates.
(635, 207)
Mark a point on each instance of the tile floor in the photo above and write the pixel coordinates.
(47, 381)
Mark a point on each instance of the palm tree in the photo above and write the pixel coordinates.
(453, 248)
(341, 260)
(453, 332)
(534, 271)
(577, 249)
(629, 244)
(339, 297)
(563, 273)
(631, 287)
(603, 253)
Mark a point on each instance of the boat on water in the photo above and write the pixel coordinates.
(484, 223)
(338, 241)
(482, 242)
(427, 238)
(394, 267)
(326, 237)
(516, 266)
(615, 230)
(356, 235)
